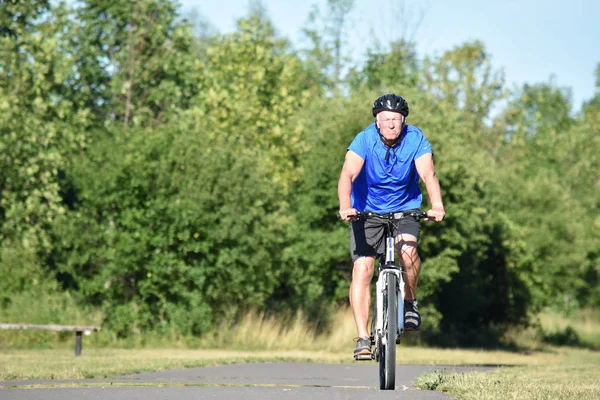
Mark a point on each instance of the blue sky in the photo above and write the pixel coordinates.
(531, 41)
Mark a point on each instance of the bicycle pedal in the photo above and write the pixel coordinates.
(364, 356)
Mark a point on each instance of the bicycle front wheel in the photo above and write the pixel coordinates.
(387, 355)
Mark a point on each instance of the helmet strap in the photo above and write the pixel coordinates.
(387, 153)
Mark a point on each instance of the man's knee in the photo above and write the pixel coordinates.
(363, 269)
(407, 248)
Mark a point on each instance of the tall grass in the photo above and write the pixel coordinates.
(255, 331)
(580, 329)
(258, 331)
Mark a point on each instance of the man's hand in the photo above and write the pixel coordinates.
(436, 214)
(348, 214)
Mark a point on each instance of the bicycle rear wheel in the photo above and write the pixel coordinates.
(387, 353)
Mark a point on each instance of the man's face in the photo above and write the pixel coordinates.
(389, 124)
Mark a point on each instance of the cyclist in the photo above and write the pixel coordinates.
(381, 174)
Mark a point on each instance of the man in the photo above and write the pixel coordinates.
(381, 174)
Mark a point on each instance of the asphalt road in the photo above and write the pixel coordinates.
(269, 381)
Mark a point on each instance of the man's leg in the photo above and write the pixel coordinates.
(409, 258)
(407, 247)
(360, 293)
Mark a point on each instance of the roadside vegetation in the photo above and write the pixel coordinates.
(532, 365)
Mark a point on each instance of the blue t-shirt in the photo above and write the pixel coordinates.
(393, 185)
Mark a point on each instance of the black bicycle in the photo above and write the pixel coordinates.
(387, 324)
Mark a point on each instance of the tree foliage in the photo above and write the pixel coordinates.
(39, 128)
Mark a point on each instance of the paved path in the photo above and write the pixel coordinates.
(269, 381)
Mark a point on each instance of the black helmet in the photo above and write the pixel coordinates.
(390, 102)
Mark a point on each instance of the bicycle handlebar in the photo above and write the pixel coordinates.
(362, 215)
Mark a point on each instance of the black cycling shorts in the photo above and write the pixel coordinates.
(367, 237)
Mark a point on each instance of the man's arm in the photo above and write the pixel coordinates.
(426, 171)
(352, 167)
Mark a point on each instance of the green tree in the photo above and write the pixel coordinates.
(187, 222)
(539, 113)
(252, 86)
(549, 160)
(591, 109)
(382, 69)
(326, 56)
(38, 126)
(463, 79)
(581, 166)
(134, 59)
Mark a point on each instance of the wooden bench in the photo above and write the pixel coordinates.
(79, 330)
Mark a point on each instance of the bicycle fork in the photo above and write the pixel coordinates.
(382, 285)
(389, 259)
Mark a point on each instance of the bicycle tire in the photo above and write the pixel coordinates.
(387, 356)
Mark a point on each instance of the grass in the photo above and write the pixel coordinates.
(571, 371)
(576, 375)
(103, 363)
